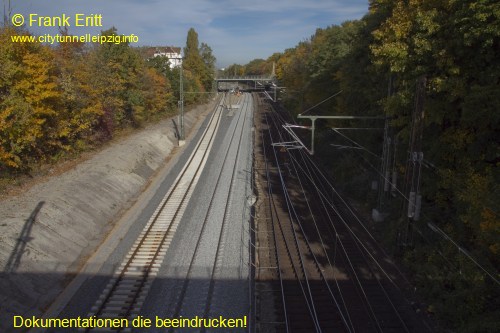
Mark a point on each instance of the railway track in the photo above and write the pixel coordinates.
(329, 275)
(215, 222)
(370, 281)
(310, 303)
(127, 289)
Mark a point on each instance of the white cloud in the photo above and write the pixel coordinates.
(237, 31)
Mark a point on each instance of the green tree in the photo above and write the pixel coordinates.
(209, 61)
(455, 44)
(199, 62)
(376, 62)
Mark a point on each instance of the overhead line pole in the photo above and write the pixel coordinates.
(414, 164)
(7, 12)
(313, 121)
(181, 104)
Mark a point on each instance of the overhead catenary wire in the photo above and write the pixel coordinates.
(339, 241)
(358, 241)
(316, 260)
(357, 144)
(356, 128)
(323, 101)
(288, 203)
(352, 212)
(415, 227)
(441, 232)
(353, 233)
(309, 304)
(323, 246)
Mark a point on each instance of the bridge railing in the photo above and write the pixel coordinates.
(245, 77)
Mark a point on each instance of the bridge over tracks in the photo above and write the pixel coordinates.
(245, 83)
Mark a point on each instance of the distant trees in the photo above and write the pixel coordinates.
(254, 67)
(235, 70)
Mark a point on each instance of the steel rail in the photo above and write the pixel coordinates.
(271, 204)
(358, 242)
(351, 265)
(186, 281)
(344, 202)
(308, 246)
(289, 253)
(345, 316)
(335, 235)
(309, 299)
(362, 250)
(126, 291)
(357, 219)
(211, 287)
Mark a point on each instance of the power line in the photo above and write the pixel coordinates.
(357, 144)
(436, 228)
(323, 101)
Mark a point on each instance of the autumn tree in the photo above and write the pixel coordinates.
(29, 101)
(455, 45)
(56, 100)
(78, 113)
(209, 61)
(199, 63)
(376, 62)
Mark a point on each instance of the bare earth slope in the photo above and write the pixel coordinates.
(47, 232)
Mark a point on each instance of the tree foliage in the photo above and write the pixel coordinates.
(376, 62)
(29, 102)
(199, 63)
(63, 99)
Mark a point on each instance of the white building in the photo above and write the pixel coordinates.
(172, 53)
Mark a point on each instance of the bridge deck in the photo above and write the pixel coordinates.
(245, 78)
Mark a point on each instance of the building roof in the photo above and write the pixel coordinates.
(152, 50)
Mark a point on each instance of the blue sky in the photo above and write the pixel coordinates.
(237, 31)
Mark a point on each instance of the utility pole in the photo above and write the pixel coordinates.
(182, 139)
(385, 173)
(313, 122)
(383, 184)
(182, 102)
(7, 13)
(412, 206)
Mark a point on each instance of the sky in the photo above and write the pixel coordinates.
(237, 31)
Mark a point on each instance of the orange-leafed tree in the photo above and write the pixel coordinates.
(28, 102)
